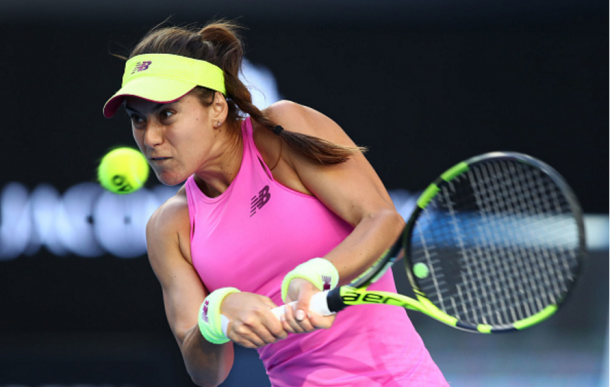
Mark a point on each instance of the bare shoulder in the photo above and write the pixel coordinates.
(169, 227)
(302, 119)
(351, 189)
(170, 215)
(291, 167)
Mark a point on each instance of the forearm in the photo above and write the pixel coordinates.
(367, 242)
(208, 364)
(371, 237)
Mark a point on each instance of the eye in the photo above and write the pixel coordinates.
(136, 119)
(165, 114)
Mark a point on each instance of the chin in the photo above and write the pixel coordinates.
(171, 180)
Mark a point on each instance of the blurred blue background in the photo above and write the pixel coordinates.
(423, 84)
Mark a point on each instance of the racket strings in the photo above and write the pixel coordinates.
(537, 283)
(510, 201)
(500, 242)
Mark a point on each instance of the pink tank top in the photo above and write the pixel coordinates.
(257, 231)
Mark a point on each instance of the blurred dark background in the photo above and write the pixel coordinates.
(422, 84)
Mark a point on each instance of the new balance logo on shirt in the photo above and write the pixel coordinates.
(260, 200)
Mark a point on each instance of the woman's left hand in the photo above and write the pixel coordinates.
(302, 320)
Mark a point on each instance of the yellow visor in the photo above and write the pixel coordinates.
(164, 78)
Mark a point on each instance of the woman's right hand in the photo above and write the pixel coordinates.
(251, 323)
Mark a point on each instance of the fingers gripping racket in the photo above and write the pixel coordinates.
(495, 244)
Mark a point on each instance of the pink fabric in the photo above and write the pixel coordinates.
(252, 235)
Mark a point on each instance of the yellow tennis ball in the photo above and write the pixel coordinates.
(123, 170)
(421, 270)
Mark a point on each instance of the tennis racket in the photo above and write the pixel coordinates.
(495, 244)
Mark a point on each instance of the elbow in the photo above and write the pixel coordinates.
(207, 380)
(387, 219)
(386, 224)
(202, 382)
(393, 220)
(208, 365)
(397, 223)
(211, 377)
(398, 220)
(211, 369)
(389, 225)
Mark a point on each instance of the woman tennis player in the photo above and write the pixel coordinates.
(276, 205)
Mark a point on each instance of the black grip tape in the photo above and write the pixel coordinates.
(334, 300)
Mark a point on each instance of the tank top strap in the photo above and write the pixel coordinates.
(251, 153)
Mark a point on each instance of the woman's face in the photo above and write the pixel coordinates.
(177, 138)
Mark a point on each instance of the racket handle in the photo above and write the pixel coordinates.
(318, 304)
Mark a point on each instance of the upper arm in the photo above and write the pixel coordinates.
(167, 236)
(351, 189)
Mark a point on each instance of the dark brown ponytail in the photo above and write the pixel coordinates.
(220, 43)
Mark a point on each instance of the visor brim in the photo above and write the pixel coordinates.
(155, 89)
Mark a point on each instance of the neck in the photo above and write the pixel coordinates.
(219, 172)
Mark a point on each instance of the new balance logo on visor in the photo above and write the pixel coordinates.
(260, 200)
(206, 305)
(325, 282)
(141, 66)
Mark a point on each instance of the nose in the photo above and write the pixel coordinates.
(153, 134)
